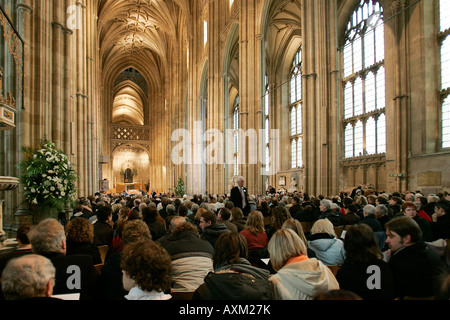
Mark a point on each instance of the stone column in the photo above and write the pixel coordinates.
(250, 88)
(397, 110)
(67, 88)
(24, 12)
(25, 133)
(57, 72)
(334, 102)
(215, 110)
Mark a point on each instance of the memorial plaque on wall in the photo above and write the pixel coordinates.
(428, 179)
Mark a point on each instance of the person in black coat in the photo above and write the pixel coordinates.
(363, 258)
(80, 239)
(370, 218)
(80, 212)
(239, 196)
(440, 224)
(74, 273)
(157, 229)
(111, 287)
(417, 270)
(211, 230)
(191, 256)
(327, 213)
(296, 209)
(234, 278)
(183, 239)
(103, 228)
(351, 217)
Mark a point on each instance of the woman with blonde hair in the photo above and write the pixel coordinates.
(328, 248)
(254, 231)
(295, 225)
(298, 277)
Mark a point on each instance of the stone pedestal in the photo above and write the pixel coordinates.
(6, 184)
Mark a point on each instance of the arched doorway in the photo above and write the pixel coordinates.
(130, 166)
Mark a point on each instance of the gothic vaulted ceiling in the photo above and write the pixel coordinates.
(282, 25)
(141, 34)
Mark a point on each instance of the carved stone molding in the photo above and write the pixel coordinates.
(129, 133)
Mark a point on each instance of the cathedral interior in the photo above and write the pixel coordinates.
(316, 96)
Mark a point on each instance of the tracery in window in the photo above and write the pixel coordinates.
(296, 111)
(364, 82)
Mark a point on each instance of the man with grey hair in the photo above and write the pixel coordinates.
(142, 205)
(327, 213)
(171, 211)
(382, 214)
(74, 273)
(239, 196)
(370, 218)
(28, 277)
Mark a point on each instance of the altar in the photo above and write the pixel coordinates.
(130, 187)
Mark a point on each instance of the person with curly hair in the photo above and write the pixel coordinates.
(111, 276)
(80, 239)
(147, 271)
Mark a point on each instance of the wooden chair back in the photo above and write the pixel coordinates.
(103, 252)
(334, 269)
(418, 298)
(306, 226)
(98, 268)
(182, 295)
(338, 230)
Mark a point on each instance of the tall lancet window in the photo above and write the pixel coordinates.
(236, 136)
(364, 121)
(444, 32)
(296, 111)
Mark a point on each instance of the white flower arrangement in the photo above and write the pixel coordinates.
(47, 176)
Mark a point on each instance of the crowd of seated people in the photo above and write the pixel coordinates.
(287, 247)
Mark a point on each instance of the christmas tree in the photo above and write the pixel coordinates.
(180, 189)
